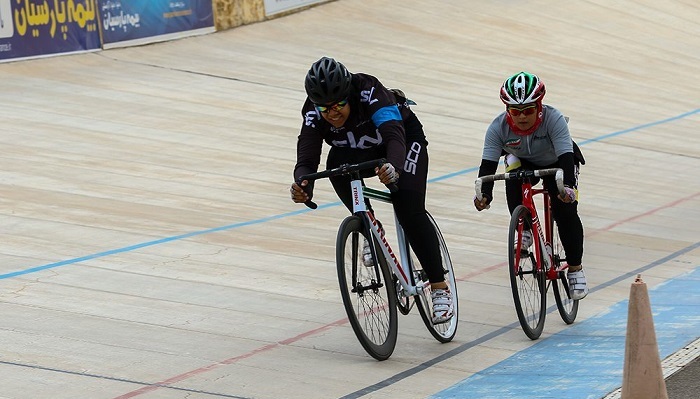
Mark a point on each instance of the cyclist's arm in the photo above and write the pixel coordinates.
(493, 148)
(487, 168)
(393, 132)
(563, 145)
(566, 163)
(309, 146)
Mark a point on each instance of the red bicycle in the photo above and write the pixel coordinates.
(533, 269)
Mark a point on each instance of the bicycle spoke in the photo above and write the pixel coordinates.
(370, 301)
(527, 282)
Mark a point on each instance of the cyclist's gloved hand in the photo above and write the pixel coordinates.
(301, 193)
(484, 203)
(387, 174)
(570, 195)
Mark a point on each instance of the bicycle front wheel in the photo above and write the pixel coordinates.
(568, 308)
(443, 332)
(526, 281)
(368, 293)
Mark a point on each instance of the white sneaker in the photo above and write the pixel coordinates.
(527, 240)
(367, 254)
(442, 305)
(578, 289)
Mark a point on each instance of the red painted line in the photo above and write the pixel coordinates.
(594, 232)
(340, 322)
(228, 361)
(652, 211)
(473, 274)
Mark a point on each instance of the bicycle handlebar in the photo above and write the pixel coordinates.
(344, 169)
(522, 174)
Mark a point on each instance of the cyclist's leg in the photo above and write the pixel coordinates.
(409, 206)
(514, 194)
(420, 233)
(571, 234)
(569, 223)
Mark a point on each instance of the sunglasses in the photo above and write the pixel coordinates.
(324, 109)
(527, 111)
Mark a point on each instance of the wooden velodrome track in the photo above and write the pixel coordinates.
(149, 247)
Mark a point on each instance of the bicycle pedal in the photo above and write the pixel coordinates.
(422, 275)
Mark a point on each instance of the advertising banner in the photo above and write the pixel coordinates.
(38, 28)
(129, 22)
(275, 6)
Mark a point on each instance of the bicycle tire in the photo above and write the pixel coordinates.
(567, 307)
(528, 284)
(371, 308)
(443, 332)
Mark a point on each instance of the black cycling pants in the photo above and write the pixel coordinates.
(408, 201)
(565, 215)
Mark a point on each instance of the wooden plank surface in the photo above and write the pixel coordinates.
(147, 234)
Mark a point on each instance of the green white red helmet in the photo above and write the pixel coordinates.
(522, 88)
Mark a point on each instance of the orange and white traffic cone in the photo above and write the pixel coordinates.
(642, 376)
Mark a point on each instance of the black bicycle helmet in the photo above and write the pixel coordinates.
(327, 81)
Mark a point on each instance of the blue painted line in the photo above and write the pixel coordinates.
(640, 127)
(586, 360)
(453, 174)
(284, 215)
(159, 241)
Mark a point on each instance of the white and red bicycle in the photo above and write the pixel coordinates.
(372, 294)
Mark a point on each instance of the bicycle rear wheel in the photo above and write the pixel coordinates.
(526, 282)
(443, 332)
(368, 293)
(568, 308)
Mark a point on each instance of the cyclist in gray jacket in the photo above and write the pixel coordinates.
(533, 135)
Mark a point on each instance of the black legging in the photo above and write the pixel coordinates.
(565, 215)
(408, 201)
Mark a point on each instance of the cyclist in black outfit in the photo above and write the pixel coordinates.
(362, 120)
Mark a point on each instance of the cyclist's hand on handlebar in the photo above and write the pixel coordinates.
(298, 193)
(484, 203)
(570, 195)
(387, 174)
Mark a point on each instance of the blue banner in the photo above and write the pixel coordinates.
(139, 20)
(34, 28)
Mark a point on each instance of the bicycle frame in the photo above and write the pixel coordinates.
(372, 304)
(400, 265)
(543, 243)
(544, 239)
